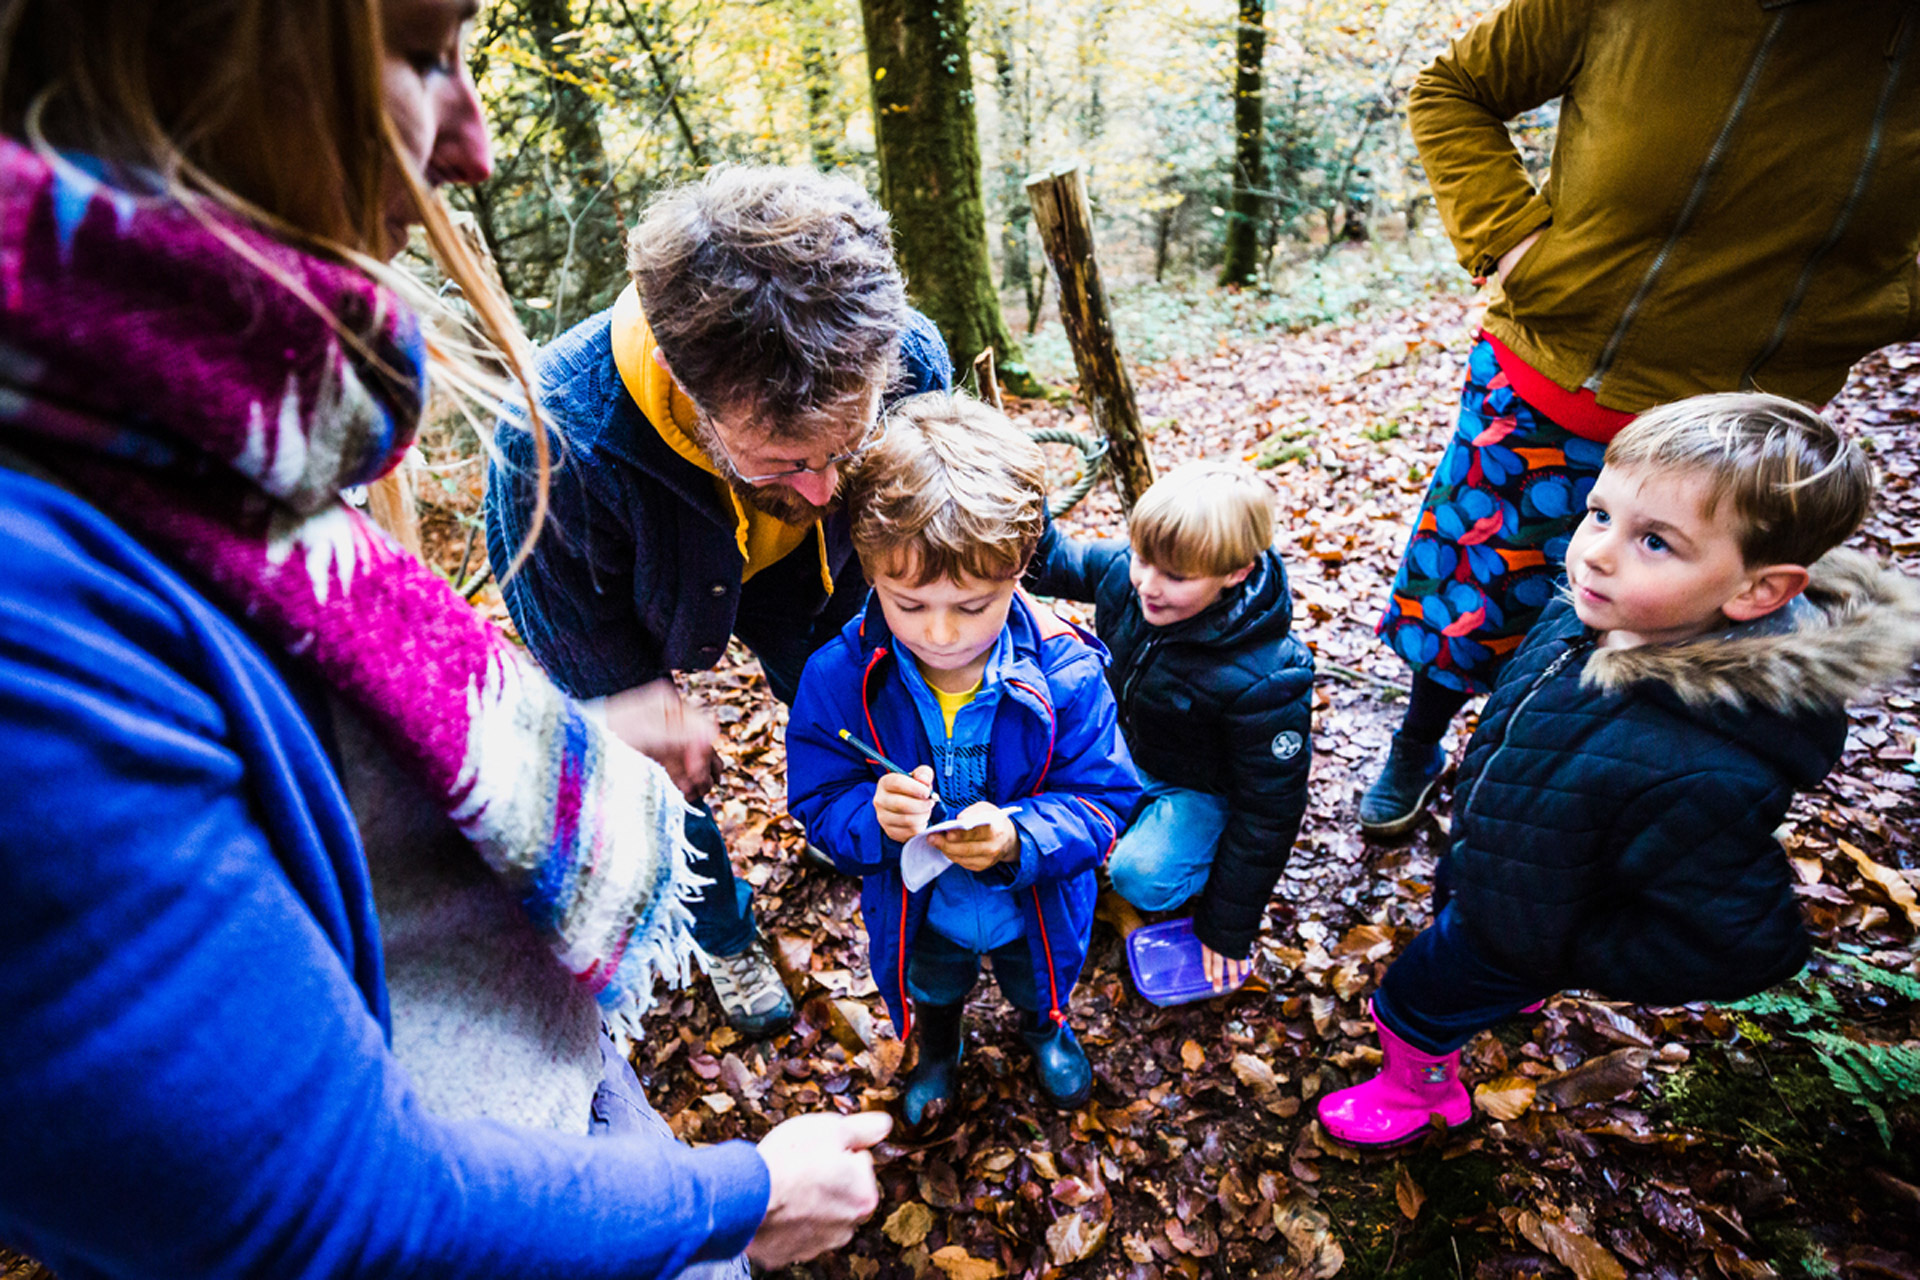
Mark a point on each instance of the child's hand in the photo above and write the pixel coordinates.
(988, 839)
(1222, 972)
(903, 803)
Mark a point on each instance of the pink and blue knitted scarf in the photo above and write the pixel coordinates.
(217, 414)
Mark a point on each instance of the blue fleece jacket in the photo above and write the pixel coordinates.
(196, 1079)
(1054, 749)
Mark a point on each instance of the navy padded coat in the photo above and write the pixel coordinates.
(1221, 702)
(1615, 811)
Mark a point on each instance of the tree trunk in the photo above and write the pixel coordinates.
(1066, 233)
(929, 151)
(594, 266)
(1242, 264)
(1016, 144)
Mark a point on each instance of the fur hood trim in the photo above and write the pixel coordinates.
(1863, 630)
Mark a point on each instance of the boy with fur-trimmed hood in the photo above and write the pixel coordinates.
(1615, 811)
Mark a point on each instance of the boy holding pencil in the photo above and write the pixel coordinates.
(999, 717)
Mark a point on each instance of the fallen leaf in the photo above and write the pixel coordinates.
(961, 1265)
(1253, 1073)
(1505, 1098)
(1586, 1257)
(1072, 1239)
(1889, 882)
(1409, 1195)
(1072, 1191)
(1195, 1239)
(1192, 1056)
(1366, 941)
(908, 1225)
(1316, 1255)
(1597, 1079)
(851, 1023)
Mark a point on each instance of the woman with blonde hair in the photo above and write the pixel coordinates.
(239, 717)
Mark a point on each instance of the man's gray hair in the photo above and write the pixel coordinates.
(772, 292)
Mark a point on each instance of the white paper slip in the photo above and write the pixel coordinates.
(921, 863)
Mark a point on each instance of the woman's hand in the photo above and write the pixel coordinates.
(988, 839)
(903, 802)
(1507, 261)
(656, 721)
(820, 1185)
(1222, 972)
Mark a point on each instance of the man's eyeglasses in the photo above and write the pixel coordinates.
(875, 434)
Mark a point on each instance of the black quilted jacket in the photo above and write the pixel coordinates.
(1221, 702)
(1614, 815)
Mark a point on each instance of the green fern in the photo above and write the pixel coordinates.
(1874, 1076)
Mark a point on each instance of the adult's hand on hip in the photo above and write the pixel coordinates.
(656, 721)
(821, 1184)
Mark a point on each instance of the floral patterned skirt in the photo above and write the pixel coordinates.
(1492, 535)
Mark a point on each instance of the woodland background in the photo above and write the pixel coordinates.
(1283, 294)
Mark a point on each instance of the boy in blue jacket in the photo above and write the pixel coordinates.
(1000, 711)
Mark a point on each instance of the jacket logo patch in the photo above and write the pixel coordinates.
(1287, 744)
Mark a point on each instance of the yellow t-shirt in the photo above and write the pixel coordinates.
(763, 538)
(950, 703)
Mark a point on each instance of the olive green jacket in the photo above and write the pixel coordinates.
(1734, 199)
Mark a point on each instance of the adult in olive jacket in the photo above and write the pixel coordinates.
(1733, 203)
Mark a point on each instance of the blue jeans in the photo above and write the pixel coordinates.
(723, 922)
(1442, 992)
(942, 972)
(621, 1112)
(1165, 856)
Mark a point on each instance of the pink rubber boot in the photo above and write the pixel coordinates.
(1394, 1106)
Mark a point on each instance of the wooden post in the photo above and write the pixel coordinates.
(1061, 216)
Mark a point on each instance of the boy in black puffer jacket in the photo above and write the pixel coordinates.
(1215, 698)
(1614, 814)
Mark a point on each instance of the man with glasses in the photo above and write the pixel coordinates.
(701, 426)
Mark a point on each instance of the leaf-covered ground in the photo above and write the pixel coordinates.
(1612, 1140)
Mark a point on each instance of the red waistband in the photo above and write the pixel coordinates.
(1577, 411)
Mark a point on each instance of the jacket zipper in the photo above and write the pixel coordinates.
(1133, 678)
(1897, 56)
(1554, 668)
(1688, 210)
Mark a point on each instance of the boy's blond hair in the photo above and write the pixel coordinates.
(1797, 486)
(1203, 520)
(952, 490)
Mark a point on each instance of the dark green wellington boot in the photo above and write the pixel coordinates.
(1066, 1077)
(938, 1031)
(1395, 802)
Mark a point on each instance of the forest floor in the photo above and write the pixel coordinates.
(1612, 1140)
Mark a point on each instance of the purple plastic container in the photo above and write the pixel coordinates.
(1166, 964)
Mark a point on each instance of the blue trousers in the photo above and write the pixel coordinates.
(942, 972)
(1442, 992)
(723, 922)
(1164, 858)
(621, 1112)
